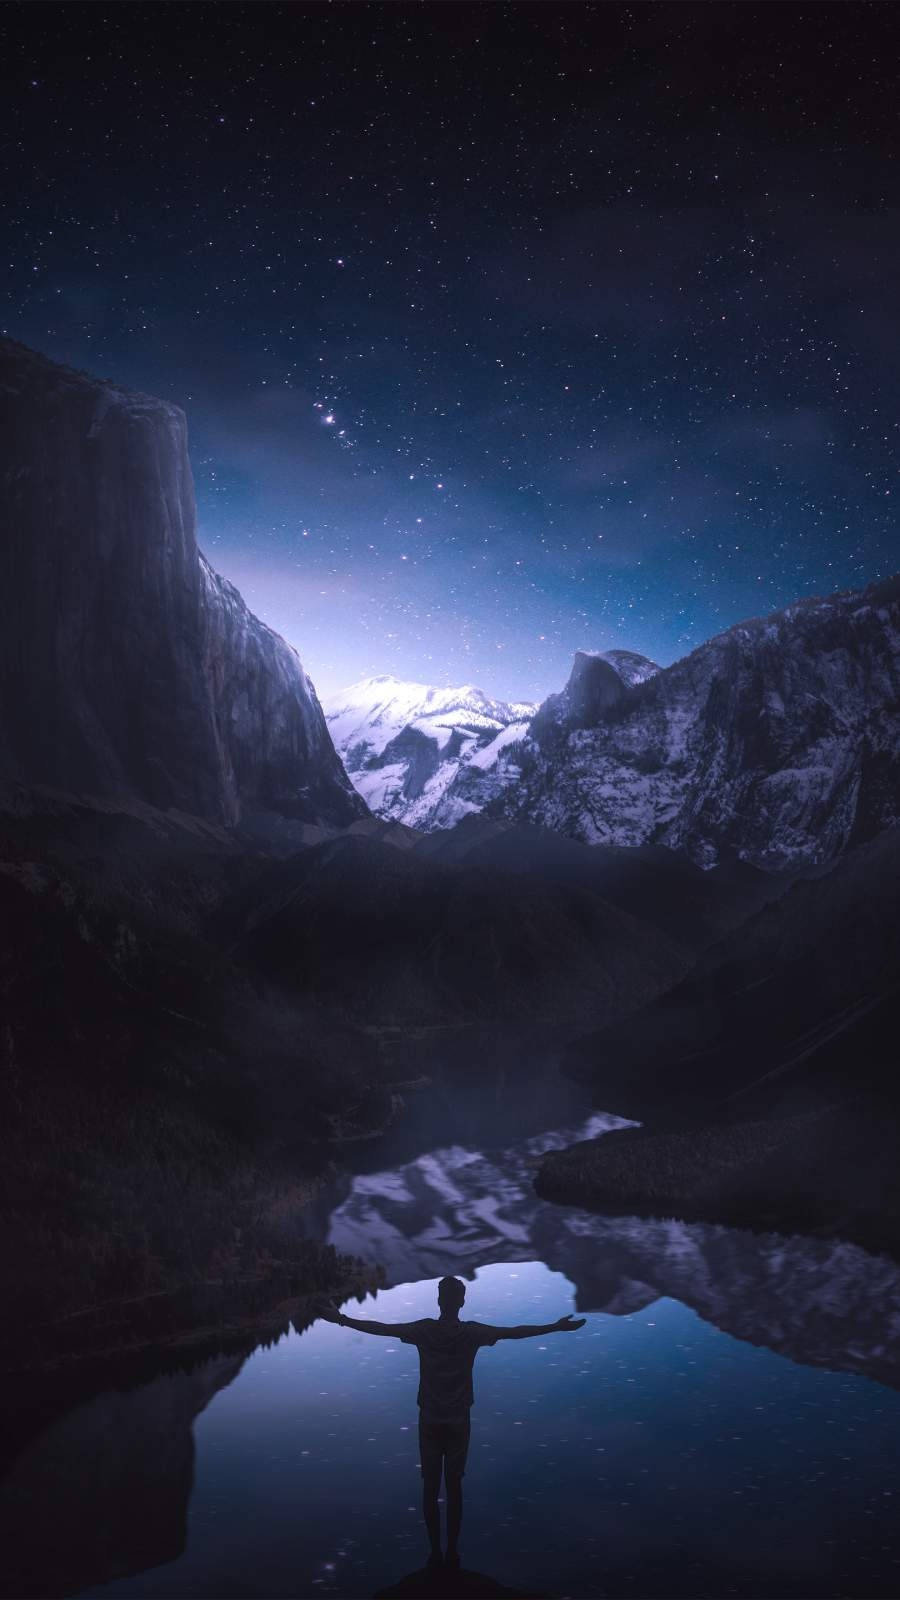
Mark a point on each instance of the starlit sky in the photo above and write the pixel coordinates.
(502, 330)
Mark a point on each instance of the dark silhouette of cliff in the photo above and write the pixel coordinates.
(129, 670)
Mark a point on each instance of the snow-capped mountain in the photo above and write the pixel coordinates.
(428, 757)
(777, 742)
(404, 745)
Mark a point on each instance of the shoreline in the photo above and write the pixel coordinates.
(830, 1172)
(195, 1319)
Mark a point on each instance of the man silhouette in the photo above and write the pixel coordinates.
(447, 1349)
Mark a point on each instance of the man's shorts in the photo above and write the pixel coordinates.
(444, 1444)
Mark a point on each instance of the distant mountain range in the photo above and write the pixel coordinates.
(428, 756)
(777, 742)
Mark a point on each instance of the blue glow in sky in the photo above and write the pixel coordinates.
(502, 331)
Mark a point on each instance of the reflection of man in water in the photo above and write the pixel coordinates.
(447, 1350)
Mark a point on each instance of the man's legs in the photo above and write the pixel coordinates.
(431, 1488)
(443, 1448)
(454, 1467)
(431, 1459)
(453, 1481)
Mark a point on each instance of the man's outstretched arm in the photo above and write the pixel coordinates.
(387, 1330)
(529, 1330)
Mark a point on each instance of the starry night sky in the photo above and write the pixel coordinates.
(502, 330)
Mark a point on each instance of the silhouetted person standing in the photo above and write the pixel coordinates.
(447, 1350)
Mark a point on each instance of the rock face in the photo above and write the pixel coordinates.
(421, 755)
(129, 671)
(777, 742)
(597, 684)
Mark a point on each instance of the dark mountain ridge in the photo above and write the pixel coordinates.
(430, 943)
(661, 887)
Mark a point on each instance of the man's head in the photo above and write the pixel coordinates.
(451, 1294)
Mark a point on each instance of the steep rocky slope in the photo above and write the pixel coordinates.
(130, 671)
(661, 887)
(793, 1007)
(777, 742)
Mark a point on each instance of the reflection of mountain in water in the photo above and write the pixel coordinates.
(820, 1302)
(103, 1492)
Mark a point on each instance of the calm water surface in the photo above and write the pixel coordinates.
(726, 1423)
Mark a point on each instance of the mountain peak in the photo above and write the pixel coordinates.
(404, 743)
(632, 667)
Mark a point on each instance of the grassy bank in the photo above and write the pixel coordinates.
(125, 1222)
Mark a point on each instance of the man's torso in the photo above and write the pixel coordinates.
(447, 1352)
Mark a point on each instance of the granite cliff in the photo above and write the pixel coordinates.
(129, 670)
(776, 743)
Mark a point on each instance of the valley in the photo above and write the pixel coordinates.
(235, 961)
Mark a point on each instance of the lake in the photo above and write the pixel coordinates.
(726, 1423)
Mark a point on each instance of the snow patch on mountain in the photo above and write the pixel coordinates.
(483, 759)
